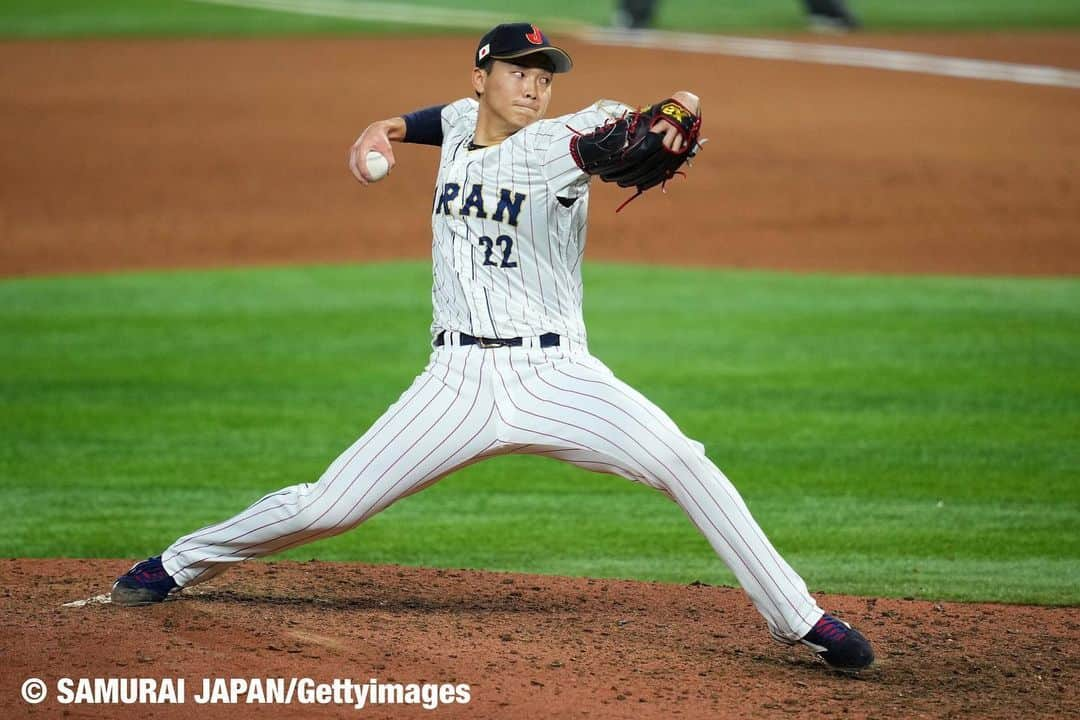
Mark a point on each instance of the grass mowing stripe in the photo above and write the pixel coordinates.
(74, 18)
(895, 436)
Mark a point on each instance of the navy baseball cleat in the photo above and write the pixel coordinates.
(839, 644)
(145, 583)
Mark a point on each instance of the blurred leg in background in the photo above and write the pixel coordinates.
(635, 14)
(830, 16)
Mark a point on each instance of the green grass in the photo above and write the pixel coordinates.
(73, 18)
(894, 436)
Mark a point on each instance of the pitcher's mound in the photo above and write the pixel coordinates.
(528, 646)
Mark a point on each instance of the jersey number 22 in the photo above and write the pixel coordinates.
(505, 243)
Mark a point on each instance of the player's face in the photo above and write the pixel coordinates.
(517, 94)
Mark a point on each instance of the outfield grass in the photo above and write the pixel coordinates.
(895, 436)
(74, 18)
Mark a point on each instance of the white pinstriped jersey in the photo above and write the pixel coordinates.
(508, 227)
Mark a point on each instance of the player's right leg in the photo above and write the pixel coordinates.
(441, 423)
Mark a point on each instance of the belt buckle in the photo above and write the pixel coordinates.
(487, 343)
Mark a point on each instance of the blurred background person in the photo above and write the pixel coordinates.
(822, 15)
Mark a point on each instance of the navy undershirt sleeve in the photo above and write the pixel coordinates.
(424, 126)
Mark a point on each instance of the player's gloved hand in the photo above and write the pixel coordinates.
(645, 148)
(376, 136)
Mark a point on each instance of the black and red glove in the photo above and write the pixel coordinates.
(628, 152)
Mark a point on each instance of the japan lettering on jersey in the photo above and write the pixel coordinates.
(508, 227)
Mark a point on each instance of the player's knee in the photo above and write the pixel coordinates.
(315, 515)
(673, 462)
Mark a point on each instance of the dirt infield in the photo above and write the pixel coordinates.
(139, 154)
(529, 646)
(199, 153)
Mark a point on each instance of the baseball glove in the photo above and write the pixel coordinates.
(624, 151)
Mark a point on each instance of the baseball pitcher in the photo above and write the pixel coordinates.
(510, 369)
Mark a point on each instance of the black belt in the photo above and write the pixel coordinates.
(546, 340)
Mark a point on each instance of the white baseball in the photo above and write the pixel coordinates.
(377, 165)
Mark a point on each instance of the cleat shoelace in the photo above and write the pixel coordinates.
(830, 629)
(151, 574)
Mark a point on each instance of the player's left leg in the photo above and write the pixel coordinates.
(574, 409)
(571, 407)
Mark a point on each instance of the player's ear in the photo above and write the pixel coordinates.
(479, 77)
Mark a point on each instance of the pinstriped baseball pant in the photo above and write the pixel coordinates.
(470, 403)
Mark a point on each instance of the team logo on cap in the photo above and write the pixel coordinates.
(535, 37)
(484, 52)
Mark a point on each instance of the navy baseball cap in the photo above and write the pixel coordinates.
(514, 40)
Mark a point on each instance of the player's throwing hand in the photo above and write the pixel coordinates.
(377, 136)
